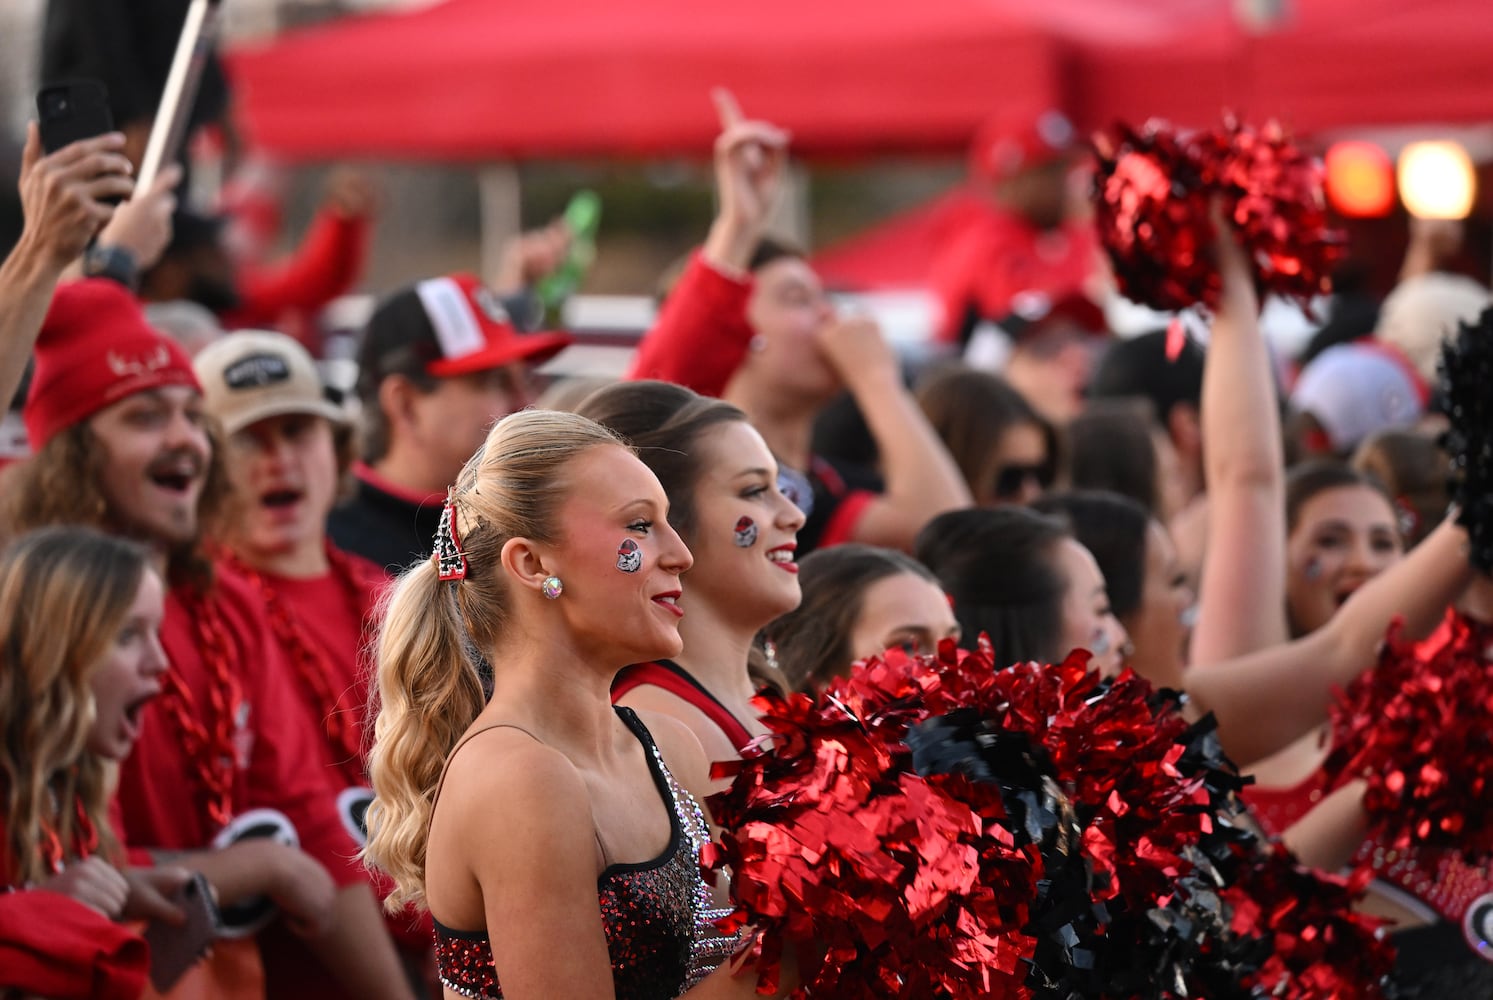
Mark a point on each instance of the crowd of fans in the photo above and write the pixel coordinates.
(354, 660)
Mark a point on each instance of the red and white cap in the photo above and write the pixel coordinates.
(449, 326)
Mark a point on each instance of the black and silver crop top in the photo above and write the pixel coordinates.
(658, 916)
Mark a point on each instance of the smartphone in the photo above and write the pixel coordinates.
(71, 110)
(174, 950)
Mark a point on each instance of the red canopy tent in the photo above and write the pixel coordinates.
(1326, 64)
(500, 79)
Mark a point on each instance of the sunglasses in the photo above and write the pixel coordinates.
(1011, 480)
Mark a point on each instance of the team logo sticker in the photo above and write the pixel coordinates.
(629, 556)
(746, 533)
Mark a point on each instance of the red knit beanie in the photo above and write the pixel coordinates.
(95, 349)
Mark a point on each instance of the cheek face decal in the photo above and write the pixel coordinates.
(1313, 570)
(629, 558)
(746, 533)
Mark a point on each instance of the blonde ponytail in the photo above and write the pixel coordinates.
(429, 692)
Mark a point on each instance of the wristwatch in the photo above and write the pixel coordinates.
(113, 262)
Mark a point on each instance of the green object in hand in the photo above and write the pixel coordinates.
(583, 218)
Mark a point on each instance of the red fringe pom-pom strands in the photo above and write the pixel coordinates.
(1153, 190)
(932, 826)
(1419, 730)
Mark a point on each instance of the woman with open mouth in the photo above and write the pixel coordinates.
(80, 614)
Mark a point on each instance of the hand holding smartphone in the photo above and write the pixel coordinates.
(175, 949)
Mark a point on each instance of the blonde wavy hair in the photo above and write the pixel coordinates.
(64, 595)
(429, 689)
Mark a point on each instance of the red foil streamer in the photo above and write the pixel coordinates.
(1153, 190)
(1419, 730)
(914, 887)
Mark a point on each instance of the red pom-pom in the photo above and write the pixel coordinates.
(1153, 190)
(834, 843)
(1419, 730)
(1118, 872)
(1320, 948)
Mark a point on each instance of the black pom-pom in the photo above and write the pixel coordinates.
(1466, 376)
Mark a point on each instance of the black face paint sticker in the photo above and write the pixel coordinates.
(629, 558)
(746, 533)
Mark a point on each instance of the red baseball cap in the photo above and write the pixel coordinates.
(449, 326)
(1010, 142)
(95, 348)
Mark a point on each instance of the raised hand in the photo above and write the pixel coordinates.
(856, 348)
(751, 158)
(63, 193)
(142, 225)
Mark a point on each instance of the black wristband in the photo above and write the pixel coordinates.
(112, 262)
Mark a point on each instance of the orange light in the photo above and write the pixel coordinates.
(1437, 180)
(1360, 180)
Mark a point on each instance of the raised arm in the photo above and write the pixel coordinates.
(921, 478)
(1242, 599)
(62, 199)
(702, 333)
(1265, 700)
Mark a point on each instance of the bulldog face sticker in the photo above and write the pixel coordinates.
(746, 533)
(629, 557)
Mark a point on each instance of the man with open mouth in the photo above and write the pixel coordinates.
(288, 450)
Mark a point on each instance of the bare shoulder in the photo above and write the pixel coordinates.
(682, 751)
(652, 702)
(506, 772)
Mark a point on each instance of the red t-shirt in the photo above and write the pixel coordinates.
(999, 256)
(162, 795)
(288, 294)
(331, 614)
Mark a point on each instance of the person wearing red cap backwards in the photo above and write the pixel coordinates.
(1025, 264)
(217, 776)
(289, 447)
(749, 322)
(441, 361)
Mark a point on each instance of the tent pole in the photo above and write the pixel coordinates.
(499, 195)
